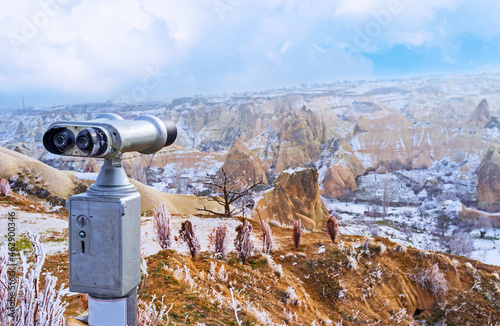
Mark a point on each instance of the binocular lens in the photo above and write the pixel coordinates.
(90, 140)
(83, 142)
(63, 140)
(60, 140)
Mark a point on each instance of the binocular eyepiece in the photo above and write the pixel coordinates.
(108, 135)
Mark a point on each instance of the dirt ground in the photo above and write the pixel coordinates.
(354, 281)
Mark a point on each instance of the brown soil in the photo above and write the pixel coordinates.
(357, 280)
(327, 286)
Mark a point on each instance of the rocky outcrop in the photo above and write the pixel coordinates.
(295, 196)
(488, 183)
(481, 115)
(342, 170)
(241, 164)
(395, 143)
(338, 182)
(300, 139)
(393, 122)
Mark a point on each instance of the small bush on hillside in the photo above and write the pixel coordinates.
(162, 228)
(219, 241)
(243, 243)
(291, 297)
(332, 228)
(297, 233)
(4, 187)
(189, 237)
(147, 315)
(431, 279)
(267, 237)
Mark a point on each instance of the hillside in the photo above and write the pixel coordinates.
(355, 281)
(40, 182)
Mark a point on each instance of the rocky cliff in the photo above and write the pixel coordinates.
(488, 186)
(342, 167)
(295, 196)
(240, 163)
(481, 115)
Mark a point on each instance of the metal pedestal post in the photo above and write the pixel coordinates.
(115, 311)
(104, 242)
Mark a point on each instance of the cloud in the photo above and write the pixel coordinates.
(319, 48)
(103, 49)
(285, 46)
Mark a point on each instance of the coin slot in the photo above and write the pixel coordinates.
(83, 247)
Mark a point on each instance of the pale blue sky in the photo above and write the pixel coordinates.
(62, 51)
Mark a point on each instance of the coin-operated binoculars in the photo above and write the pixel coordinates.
(104, 222)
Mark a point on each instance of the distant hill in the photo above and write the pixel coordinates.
(41, 182)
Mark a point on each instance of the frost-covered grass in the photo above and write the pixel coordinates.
(38, 223)
(203, 228)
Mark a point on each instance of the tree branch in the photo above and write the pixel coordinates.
(204, 209)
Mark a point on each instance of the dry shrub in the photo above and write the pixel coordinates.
(243, 243)
(267, 237)
(277, 268)
(147, 315)
(431, 279)
(33, 305)
(332, 228)
(219, 241)
(297, 233)
(4, 187)
(163, 230)
(291, 297)
(187, 235)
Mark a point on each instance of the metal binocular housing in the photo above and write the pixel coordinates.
(109, 135)
(105, 221)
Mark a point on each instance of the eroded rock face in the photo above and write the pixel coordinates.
(240, 163)
(394, 142)
(481, 115)
(488, 173)
(300, 139)
(295, 196)
(343, 168)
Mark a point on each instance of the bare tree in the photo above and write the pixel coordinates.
(346, 196)
(178, 181)
(483, 224)
(267, 237)
(230, 192)
(461, 244)
(385, 196)
(4, 187)
(443, 222)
